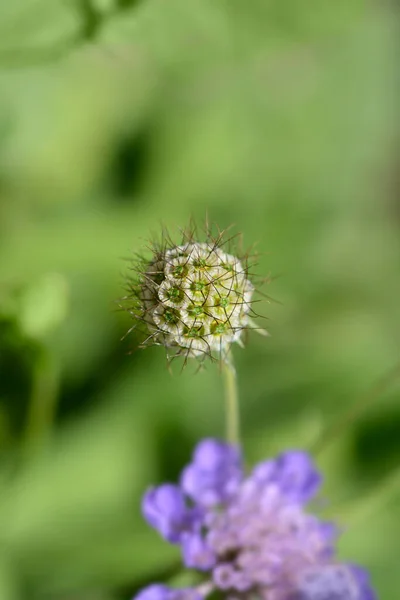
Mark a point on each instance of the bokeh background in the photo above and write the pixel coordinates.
(117, 116)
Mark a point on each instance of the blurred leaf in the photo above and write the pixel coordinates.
(73, 508)
(34, 31)
(9, 589)
(43, 305)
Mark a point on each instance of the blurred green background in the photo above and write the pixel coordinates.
(115, 116)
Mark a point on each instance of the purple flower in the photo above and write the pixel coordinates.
(251, 535)
(197, 553)
(362, 577)
(154, 592)
(215, 473)
(162, 592)
(165, 509)
(293, 472)
(332, 582)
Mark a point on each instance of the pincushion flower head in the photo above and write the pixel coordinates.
(195, 298)
(250, 535)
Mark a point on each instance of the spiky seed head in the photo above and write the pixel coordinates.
(194, 298)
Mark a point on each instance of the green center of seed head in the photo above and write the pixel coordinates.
(174, 294)
(194, 332)
(195, 311)
(171, 316)
(228, 267)
(219, 328)
(222, 301)
(197, 286)
(200, 263)
(179, 271)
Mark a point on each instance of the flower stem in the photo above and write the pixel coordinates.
(43, 400)
(231, 400)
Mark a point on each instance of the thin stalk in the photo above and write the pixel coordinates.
(232, 419)
(43, 399)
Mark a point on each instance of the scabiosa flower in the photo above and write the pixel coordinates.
(250, 535)
(195, 298)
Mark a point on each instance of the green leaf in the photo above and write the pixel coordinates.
(43, 305)
(35, 30)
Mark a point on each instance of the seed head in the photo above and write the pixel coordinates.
(195, 298)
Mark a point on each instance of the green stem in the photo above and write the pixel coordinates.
(43, 399)
(231, 400)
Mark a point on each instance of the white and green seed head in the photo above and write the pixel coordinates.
(195, 298)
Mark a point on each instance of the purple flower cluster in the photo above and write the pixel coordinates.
(250, 535)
